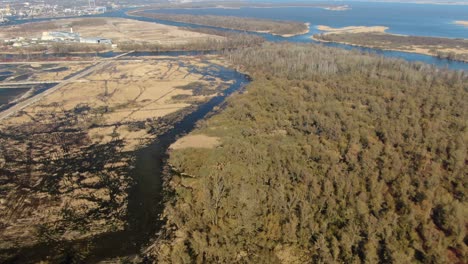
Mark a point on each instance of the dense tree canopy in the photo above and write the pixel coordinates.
(329, 156)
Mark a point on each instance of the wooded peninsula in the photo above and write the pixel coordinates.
(275, 27)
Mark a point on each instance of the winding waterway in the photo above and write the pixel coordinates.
(146, 195)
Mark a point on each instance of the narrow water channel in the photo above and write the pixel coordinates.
(145, 197)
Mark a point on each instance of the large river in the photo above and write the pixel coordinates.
(400, 18)
(143, 199)
(407, 19)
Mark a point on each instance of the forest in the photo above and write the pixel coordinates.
(231, 22)
(328, 156)
(453, 49)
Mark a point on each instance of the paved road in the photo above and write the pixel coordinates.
(20, 106)
(26, 83)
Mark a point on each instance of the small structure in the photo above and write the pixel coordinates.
(72, 37)
(95, 40)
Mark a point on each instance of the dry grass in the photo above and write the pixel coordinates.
(117, 29)
(131, 92)
(196, 141)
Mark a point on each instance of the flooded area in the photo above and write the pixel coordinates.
(145, 197)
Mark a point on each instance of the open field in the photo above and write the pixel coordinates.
(65, 159)
(376, 37)
(275, 27)
(117, 29)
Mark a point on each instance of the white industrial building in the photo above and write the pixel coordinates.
(60, 36)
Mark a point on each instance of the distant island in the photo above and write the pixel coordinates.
(338, 8)
(376, 37)
(462, 23)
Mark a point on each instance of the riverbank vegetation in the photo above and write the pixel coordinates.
(67, 162)
(330, 156)
(283, 28)
(453, 49)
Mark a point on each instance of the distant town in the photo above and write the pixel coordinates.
(20, 9)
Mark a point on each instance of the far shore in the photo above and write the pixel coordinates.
(415, 50)
(381, 31)
(134, 13)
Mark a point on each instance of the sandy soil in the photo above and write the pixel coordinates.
(124, 99)
(430, 50)
(196, 141)
(461, 22)
(352, 29)
(412, 49)
(117, 29)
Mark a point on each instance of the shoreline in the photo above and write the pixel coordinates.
(385, 49)
(307, 24)
(461, 23)
(441, 52)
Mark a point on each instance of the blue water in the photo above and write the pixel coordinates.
(408, 19)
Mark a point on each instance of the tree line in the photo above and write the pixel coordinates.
(447, 48)
(331, 156)
(232, 22)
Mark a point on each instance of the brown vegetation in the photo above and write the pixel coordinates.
(117, 29)
(454, 49)
(330, 156)
(284, 28)
(65, 161)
